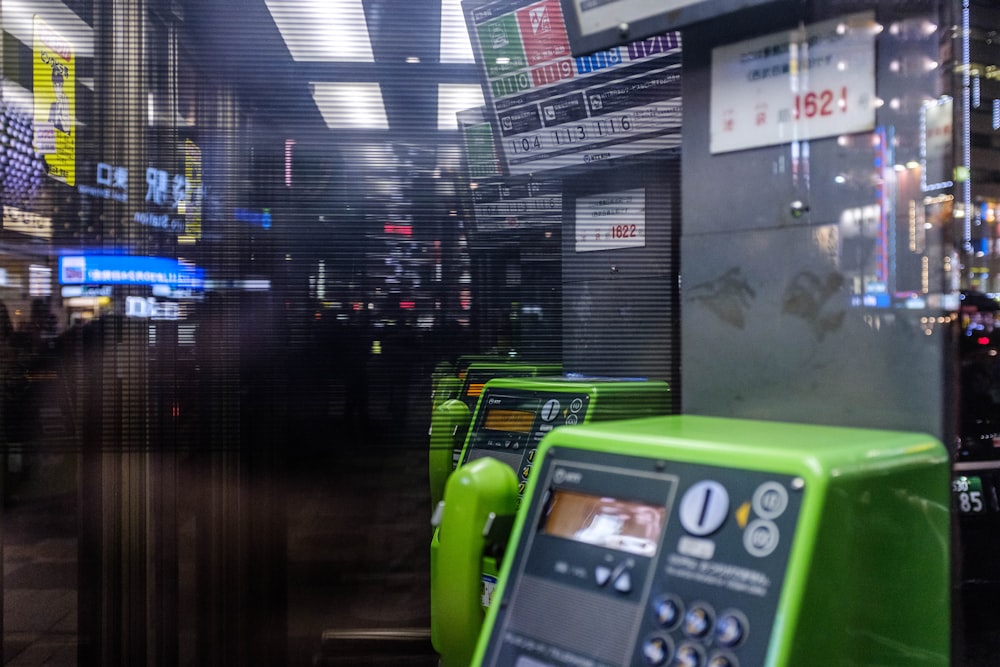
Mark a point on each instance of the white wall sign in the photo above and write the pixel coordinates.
(26, 222)
(612, 220)
(936, 148)
(151, 309)
(814, 82)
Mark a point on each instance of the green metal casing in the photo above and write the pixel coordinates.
(865, 579)
(601, 399)
(453, 412)
(478, 373)
(447, 379)
(608, 398)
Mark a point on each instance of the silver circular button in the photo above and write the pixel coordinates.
(770, 500)
(761, 537)
(704, 507)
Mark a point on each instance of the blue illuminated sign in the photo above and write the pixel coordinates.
(260, 218)
(128, 270)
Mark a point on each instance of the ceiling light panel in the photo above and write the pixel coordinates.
(323, 30)
(455, 44)
(18, 20)
(350, 106)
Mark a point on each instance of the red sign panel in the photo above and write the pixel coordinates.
(543, 32)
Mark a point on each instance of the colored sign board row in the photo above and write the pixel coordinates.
(551, 110)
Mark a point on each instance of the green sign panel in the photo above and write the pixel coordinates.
(969, 495)
(503, 51)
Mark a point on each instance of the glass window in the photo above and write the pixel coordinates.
(249, 247)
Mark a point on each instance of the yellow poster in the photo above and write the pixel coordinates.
(193, 201)
(55, 102)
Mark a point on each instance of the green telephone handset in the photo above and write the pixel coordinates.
(449, 426)
(480, 501)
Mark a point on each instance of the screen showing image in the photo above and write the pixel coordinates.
(517, 421)
(624, 525)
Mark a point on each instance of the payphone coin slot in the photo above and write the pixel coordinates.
(704, 507)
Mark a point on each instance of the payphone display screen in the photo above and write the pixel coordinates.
(633, 527)
(516, 421)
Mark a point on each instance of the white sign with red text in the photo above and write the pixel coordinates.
(611, 220)
(808, 83)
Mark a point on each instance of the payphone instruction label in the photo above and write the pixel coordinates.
(722, 575)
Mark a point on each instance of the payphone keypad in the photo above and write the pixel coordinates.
(631, 561)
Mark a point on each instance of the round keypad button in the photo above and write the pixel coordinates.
(689, 655)
(668, 610)
(698, 621)
(730, 628)
(722, 660)
(657, 650)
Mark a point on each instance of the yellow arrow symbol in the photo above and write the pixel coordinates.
(743, 515)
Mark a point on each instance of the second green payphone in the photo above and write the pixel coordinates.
(699, 541)
(450, 418)
(510, 420)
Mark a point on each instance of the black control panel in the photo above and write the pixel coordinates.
(633, 561)
(510, 424)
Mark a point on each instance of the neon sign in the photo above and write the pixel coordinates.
(128, 270)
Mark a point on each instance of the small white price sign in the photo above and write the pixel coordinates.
(818, 81)
(612, 220)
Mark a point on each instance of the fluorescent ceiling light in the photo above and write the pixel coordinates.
(18, 20)
(323, 30)
(455, 44)
(350, 106)
(455, 97)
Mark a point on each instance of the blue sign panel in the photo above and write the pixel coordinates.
(128, 270)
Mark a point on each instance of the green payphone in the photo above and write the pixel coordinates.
(511, 418)
(513, 415)
(450, 419)
(699, 541)
(447, 379)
